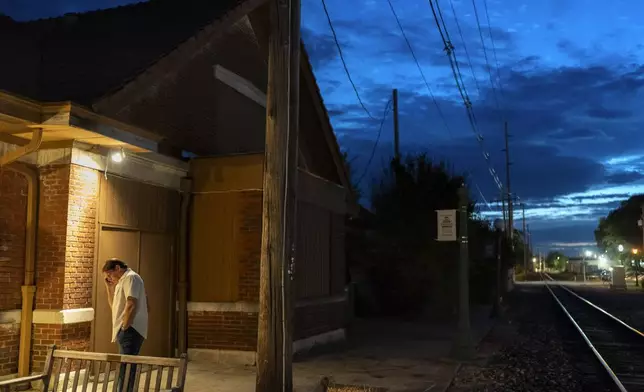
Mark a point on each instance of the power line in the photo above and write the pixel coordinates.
(487, 61)
(344, 64)
(422, 74)
(375, 145)
(449, 50)
(467, 53)
(496, 60)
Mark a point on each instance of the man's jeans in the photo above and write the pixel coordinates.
(130, 342)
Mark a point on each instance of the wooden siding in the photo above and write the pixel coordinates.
(220, 235)
(234, 172)
(126, 203)
(214, 261)
(312, 262)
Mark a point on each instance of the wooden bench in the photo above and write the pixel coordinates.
(78, 371)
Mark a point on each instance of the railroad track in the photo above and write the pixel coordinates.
(618, 347)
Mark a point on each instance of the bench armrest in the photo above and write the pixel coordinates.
(20, 380)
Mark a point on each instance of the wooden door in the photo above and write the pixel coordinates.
(156, 271)
(124, 245)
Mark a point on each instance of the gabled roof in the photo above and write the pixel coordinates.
(85, 58)
(82, 57)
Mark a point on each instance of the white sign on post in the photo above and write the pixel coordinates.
(446, 225)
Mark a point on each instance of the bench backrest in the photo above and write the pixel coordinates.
(78, 371)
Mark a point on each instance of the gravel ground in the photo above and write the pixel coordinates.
(625, 305)
(531, 350)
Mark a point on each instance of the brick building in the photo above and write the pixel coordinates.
(117, 125)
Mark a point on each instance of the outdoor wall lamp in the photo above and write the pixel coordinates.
(118, 156)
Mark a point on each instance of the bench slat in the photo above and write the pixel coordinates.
(168, 381)
(69, 363)
(137, 378)
(88, 370)
(106, 378)
(56, 373)
(136, 359)
(148, 377)
(157, 386)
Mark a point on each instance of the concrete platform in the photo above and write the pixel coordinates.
(398, 356)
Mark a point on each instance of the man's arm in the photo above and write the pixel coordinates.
(128, 313)
(110, 293)
(132, 291)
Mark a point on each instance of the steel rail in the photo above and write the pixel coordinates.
(599, 357)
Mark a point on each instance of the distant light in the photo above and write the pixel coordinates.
(118, 156)
(589, 253)
(620, 248)
(635, 250)
(534, 259)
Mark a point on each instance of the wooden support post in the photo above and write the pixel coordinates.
(396, 129)
(274, 341)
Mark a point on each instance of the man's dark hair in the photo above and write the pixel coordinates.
(111, 264)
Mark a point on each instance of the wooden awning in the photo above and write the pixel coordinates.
(64, 122)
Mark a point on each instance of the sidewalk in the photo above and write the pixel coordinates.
(399, 356)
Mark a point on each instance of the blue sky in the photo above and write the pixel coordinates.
(571, 77)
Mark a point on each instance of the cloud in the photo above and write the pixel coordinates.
(624, 177)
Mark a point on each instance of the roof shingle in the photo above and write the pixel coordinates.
(82, 57)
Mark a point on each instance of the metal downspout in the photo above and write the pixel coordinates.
(29, 288)
(186, 197)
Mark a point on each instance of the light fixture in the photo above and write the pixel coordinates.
(118, 156)
(588, 253)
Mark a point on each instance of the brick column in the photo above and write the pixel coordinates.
(65, 260)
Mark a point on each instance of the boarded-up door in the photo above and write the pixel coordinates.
(137, 225)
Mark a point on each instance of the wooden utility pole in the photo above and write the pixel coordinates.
(396, 129)
(505, 222)
(274, 340)
(525, 241)
(464, 344)
(507, 180)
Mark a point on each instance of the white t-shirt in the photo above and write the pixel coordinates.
(130, 285)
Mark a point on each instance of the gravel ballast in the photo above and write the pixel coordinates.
(532, 349)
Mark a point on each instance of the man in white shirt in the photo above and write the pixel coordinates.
(128, 301)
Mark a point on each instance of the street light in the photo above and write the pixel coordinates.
(620, 247)
(588, 253)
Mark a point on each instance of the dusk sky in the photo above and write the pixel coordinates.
(571, 77)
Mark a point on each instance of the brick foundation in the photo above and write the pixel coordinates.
(222, 330)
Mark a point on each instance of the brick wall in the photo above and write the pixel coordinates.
(222, 330)
(13, 213)
(317, 319)
(9, 342)
(52, 230)
(249, 246)
(81, 232)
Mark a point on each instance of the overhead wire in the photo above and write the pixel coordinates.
(420, 69)
(422, 74)
(487, 61)
(344, 63)
(375, 145)
(453, 60)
